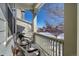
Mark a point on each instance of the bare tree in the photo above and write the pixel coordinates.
(52, 13)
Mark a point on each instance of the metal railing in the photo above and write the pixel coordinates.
(52, 46)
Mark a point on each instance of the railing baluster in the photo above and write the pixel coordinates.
(59, 48)
(53, 47)
(62, 49)
(56, 48)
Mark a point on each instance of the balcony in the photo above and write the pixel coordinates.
(52, 46)
(47, 45)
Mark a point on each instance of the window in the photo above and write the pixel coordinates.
(50, 19)
(11, 23)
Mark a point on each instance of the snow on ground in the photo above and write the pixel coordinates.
(60, 36)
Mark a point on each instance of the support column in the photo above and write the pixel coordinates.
(34, 22)
(70, 29)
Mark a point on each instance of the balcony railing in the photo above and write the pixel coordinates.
(52, 46)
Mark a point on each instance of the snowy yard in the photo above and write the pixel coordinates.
(60, 36)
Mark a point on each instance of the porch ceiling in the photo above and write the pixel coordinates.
(31, 6)
(25, 5)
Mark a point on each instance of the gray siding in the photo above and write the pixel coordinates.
(4, 50)
(3, 6)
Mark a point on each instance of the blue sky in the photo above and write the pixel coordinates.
(28, 16)
(42, 15)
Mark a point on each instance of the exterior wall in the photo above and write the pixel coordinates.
(19, 14)
(2, 32)
(8, 46)
(3, 6)
(4, 50)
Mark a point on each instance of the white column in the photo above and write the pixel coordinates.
(35, 24)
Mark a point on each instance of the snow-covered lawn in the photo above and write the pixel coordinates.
(60, 36)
